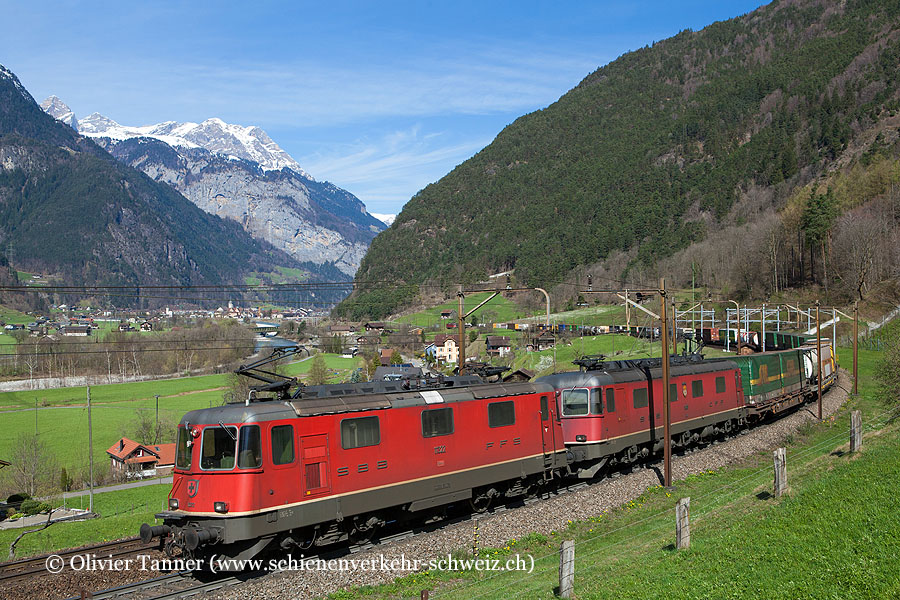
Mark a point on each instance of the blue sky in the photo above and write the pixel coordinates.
(380, 98)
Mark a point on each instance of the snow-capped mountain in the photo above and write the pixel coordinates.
(386, 219)
(57, 109)
(240, 173)
(217, 136)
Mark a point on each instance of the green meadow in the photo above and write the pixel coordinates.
(61, 415)
(121, 514)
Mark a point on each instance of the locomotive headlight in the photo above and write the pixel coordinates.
(580, 438)
(220, 507)
(173, 503)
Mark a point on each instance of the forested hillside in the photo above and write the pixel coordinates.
(704, 133)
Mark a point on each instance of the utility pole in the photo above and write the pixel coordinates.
(664, 335)
(461, 354)
(90, 453)
(156, 429)
(674, 329)
(819, 357)
(627, 312)
(855, 344)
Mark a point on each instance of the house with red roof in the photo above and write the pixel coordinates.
(135, 460)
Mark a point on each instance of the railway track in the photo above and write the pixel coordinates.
(37, 565)
(172, 585)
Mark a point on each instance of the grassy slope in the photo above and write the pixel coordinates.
(63, 424)
(833, 536)
(502, 308)
(121, 513)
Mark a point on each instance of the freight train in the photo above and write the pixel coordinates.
(300, 466)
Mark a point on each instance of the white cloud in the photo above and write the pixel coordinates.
(384, 173)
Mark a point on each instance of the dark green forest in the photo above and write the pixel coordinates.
(655, 151)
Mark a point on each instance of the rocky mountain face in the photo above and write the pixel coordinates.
(70, 209)
(239, 173)
(58, 109)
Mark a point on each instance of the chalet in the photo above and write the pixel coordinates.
(497, 345)
(126, 327)
(446, 314)
(146, 326)
(543, 342)
(446, 348)
(344, 330)
(135, 460)
(386, 354)
(368, 340)
(518, 375)
(374, 326)
(75, 330)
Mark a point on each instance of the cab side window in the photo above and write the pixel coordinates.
(610, 400)
(249, 448)
(282, 444)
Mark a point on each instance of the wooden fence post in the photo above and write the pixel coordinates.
(423, 595)
(683, 524)
(855, 430)
(780, 472)
(567, 569)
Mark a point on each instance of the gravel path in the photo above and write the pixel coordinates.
(542, 517)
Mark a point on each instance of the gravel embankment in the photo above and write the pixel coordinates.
(69, 583)
(542, 517)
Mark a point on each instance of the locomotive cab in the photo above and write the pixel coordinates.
(226, 469)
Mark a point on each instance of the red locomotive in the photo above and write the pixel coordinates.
(339, 461)
(323, 464)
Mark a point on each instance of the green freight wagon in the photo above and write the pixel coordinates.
(776, 340)
(772, 380)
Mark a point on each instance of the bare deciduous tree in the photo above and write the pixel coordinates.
(34, 469)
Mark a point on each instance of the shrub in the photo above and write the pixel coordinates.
(31, 507)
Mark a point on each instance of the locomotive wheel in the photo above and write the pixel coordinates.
(362, 532)
(481, 502)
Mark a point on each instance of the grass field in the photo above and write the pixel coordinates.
(499, 309)
(339, 368)
(122, 513)
(833, 536)
(61, 418)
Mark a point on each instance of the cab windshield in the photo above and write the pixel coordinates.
(575, 402)
(182, 449)
(218, 448)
